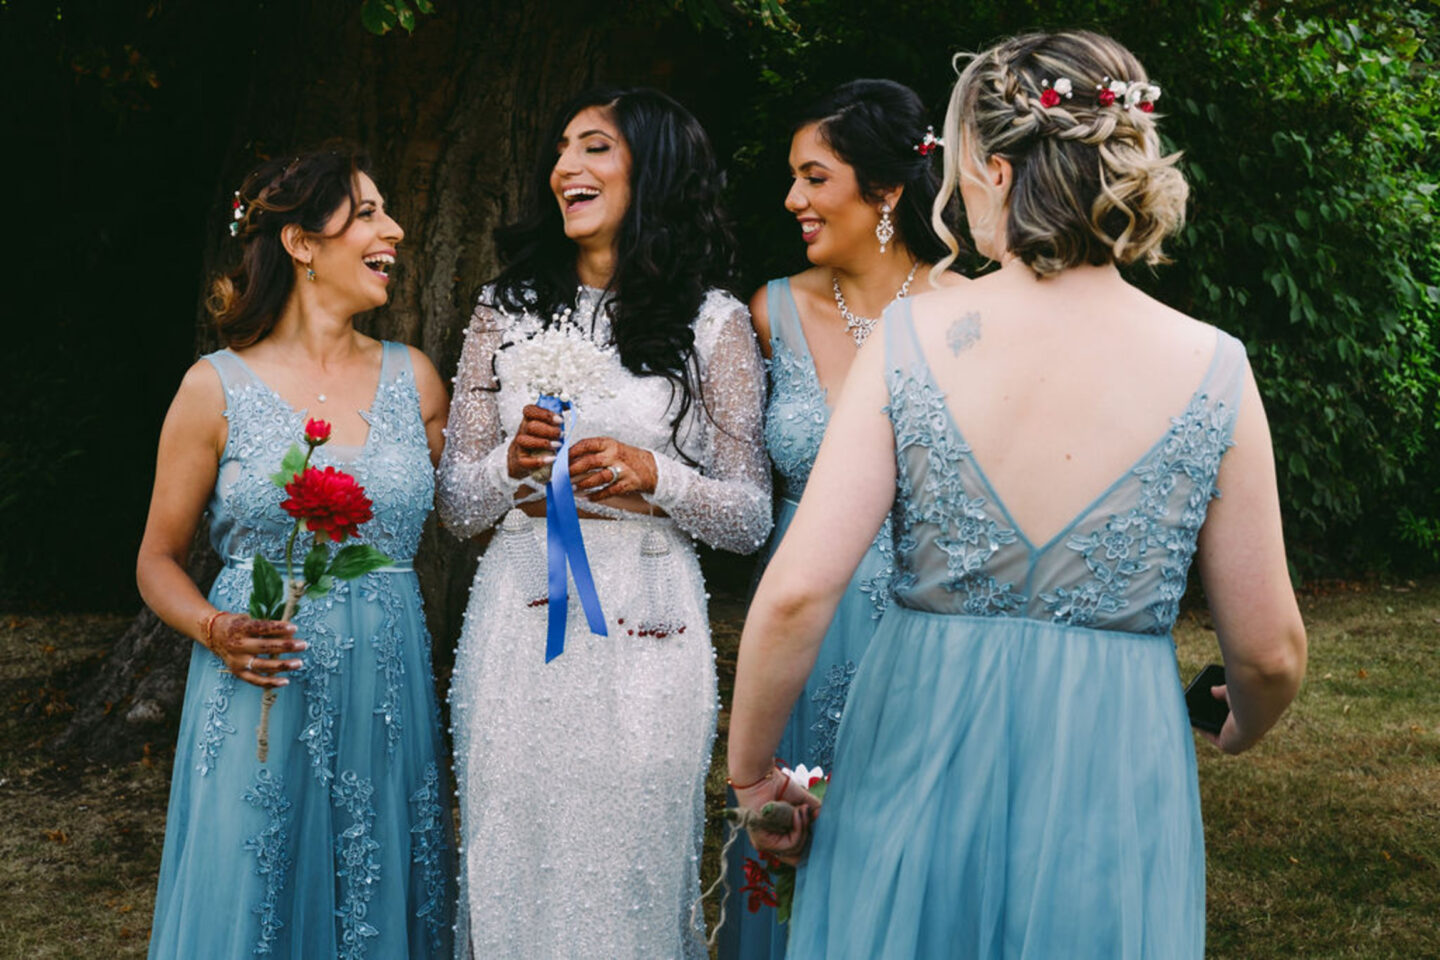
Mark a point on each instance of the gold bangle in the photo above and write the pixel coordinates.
(207, 640)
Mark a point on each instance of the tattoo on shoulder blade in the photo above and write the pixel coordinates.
(963, 333)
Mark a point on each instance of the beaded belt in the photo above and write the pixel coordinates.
(248, 563)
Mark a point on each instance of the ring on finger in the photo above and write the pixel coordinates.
(249, 663)
(615, 470)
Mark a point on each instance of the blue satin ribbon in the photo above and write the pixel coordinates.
(564, 544)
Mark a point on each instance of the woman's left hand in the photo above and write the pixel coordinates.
(603, 467)
(788, 847)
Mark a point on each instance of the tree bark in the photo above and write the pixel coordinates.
(452, 115)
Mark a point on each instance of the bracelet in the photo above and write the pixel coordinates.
(206, 638)
(746, 786)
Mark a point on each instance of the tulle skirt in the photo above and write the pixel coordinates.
(809, 736)
(582, 780)
(341, 844)
(1007, 788)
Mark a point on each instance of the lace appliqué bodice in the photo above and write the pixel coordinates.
(1120, 564)
(723, 498)
(393, 465)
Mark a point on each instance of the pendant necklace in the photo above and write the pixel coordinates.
(859, 327)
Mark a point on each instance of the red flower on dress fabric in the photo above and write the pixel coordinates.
(758, 885)
(1105, 97)
(1049, 98)
(317, 432)
(329, 501)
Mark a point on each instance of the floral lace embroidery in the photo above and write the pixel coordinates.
(796, 416)
(271, 849)
(355, 851)
(830, 697)
(1118, 552)
(321, 668)
(428, 833)
(389, 655)
(217, 726)
(877, 587)
(968, 535)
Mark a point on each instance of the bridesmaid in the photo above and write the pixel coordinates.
(863, 167)
(340, 844)
(1015, 775)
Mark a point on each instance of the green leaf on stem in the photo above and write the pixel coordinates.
(783, 876)
(315, 562)
(267, 594)
(319, 586)
(292, 464)
(356, 559)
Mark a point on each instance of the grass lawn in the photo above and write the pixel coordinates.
(1324, 842)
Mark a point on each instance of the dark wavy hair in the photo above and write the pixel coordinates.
(673, 245)
(304, 189)
(875, 126)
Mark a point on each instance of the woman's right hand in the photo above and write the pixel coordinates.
(253, 650)
(789, 847)
(535, 442)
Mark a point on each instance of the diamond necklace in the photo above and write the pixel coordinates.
(859, 327)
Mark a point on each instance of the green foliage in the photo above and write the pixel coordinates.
(382, 16)
(267, 591)
(1309, 135)
(292, 463)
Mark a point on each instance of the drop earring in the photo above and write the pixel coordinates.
(310, 271)
(885, 229)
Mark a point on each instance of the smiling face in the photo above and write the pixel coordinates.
(357, 263)
(591, 178)
(836, 222)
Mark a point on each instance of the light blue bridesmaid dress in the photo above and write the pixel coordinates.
(795, 419)
(1015, 773)
(340, 845)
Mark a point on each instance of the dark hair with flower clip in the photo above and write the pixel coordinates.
(305, 189)
(878, 127)
(674, 242)
(1074, 114)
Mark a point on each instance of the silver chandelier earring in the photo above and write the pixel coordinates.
(885, 229)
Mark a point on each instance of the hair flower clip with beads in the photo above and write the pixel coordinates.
(1050, 94)
(239, 214)
(928, 143)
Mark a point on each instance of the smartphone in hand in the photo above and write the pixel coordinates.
(1207, 713)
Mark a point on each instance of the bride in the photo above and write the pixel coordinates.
(581, 756)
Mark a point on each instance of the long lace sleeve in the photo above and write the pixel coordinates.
(726, 500)
(473, 486)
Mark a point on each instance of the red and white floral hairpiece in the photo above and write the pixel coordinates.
(1136, 93)
(928, 143)
(239, 214)
(1050, 94)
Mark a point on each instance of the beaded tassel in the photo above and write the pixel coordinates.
(660, 616)
(524, 556)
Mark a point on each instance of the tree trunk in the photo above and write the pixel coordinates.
(452, 115)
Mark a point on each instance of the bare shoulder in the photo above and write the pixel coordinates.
(948, 278)
(427, 378)
(1176, 329)
(811, 291)
(201, 389)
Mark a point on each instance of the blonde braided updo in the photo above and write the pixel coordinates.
(1090, 184)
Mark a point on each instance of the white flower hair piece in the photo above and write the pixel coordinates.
(1051, 93)
(1126, 94)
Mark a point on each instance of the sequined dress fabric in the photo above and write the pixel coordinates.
(796, 415)
(1014, 776)
(581, 781)
(340, 845)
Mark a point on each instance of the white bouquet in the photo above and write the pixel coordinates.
(563, 363)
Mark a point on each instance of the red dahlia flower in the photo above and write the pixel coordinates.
(317, 432)
(329, 501)
(1049, 98)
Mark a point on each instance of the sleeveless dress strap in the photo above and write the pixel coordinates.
(902, 348)
(1225, 382)
(232, 370)
(785, 316)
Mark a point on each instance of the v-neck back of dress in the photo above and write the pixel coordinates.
(1119, 564)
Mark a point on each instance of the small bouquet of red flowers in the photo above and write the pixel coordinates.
(332, 506)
